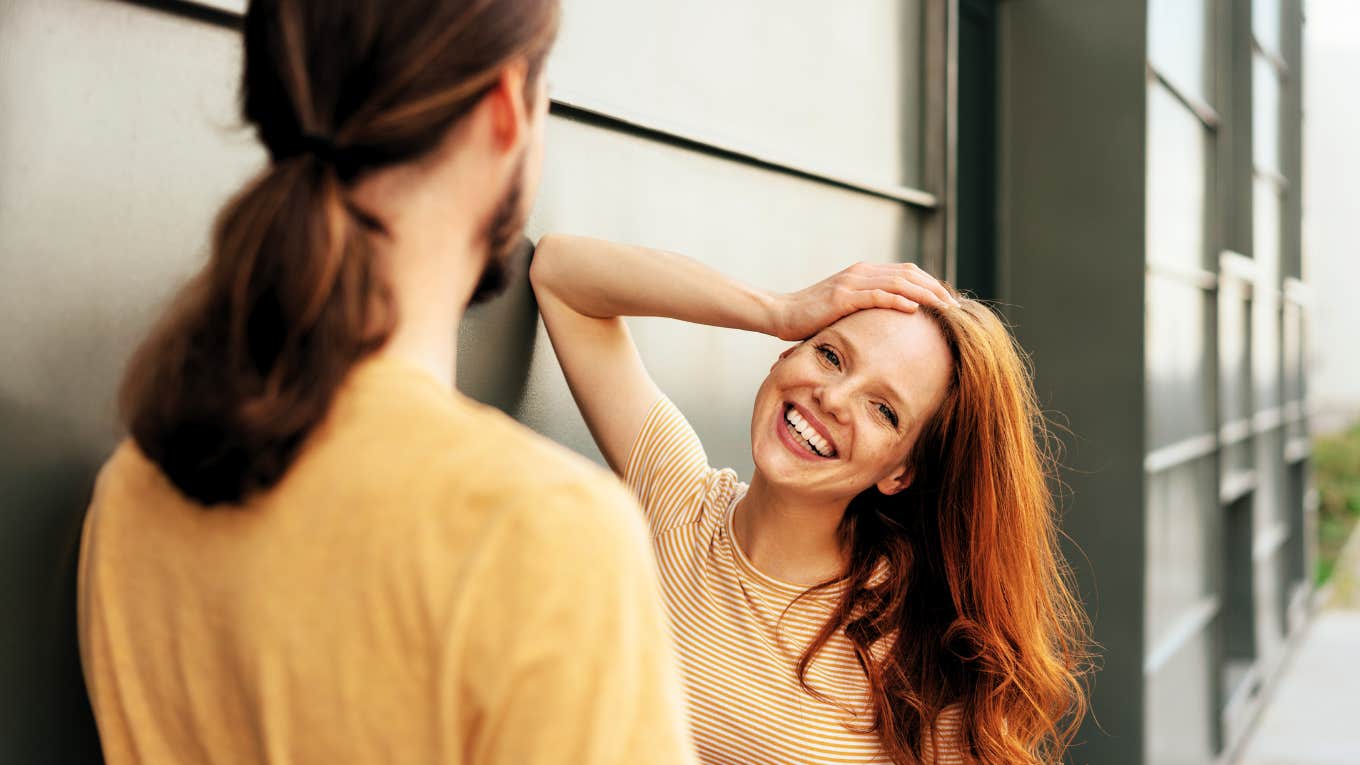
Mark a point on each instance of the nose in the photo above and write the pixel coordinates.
(833, 398)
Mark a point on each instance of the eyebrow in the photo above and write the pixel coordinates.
(892, 391)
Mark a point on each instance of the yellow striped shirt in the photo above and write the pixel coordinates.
(738, 647)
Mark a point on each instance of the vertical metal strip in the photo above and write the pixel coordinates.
(934, 235)
(948, 195)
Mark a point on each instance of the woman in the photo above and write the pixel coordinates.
(888, 586)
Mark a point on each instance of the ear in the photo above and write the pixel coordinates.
(507, 102)
(897, 480)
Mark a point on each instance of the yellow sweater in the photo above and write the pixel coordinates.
(430, 583)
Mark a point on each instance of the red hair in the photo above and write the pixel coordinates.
(977, 609)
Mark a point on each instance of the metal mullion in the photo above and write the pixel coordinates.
(1272, 177)
(1200, 278)
(1202, 111)
(1180, 453)
(951, 140)
(940, 31)
(1276, 60)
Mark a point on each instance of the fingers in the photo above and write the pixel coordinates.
(884, 299)
(906, 279)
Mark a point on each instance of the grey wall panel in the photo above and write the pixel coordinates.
(1269, 580)
(117, 125)
(1265, 352)
(1240, 455)
(834, 86)
(1181, 503)
(764, 228)
(1270, 509)
(1292, 349)
(1180, 707)
(1179, 367)
(1234, 338)
(1270, 527)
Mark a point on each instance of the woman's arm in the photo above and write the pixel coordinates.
(585, 285)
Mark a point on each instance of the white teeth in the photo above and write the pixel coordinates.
(808, 433)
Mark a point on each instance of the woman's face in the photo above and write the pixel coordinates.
(839, 412)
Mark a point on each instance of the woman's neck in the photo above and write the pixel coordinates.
(787, 537)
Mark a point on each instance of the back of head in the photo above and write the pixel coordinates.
(246, 362)
(977, 589)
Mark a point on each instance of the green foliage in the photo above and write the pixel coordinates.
(1336, 473)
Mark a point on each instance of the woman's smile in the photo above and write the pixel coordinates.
(802, 434)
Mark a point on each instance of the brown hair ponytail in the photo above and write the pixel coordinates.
(245, 364)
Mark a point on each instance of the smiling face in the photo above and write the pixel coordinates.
(839, 412)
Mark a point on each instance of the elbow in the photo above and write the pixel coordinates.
(541, 264)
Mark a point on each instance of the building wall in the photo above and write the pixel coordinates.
(1071, 249)
(1227, 545)
(1157, 144)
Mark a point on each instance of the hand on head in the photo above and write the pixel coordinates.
(899, 286)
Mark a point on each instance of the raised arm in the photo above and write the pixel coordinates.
(585, 285)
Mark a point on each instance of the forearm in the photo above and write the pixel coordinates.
(603, 279)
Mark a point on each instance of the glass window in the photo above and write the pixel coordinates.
(1178, 46)
(833, 86)
(1176, 181)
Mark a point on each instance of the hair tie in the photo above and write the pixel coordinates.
(319, 146)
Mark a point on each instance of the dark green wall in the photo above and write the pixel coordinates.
(976, 267)
(1071, 131)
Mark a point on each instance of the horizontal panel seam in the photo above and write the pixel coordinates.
(1186, 627)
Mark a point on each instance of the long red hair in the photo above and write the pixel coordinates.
(977, 609)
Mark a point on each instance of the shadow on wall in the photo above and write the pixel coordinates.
(46, 474)
(496, 340)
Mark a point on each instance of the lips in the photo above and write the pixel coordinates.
(804, 435)
(816, 424)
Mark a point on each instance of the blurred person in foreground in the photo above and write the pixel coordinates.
(888, 587)
(312, 549)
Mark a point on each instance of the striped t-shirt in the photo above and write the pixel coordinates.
(738, 647)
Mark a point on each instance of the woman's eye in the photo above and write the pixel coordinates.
(888, 414)
(830, 356)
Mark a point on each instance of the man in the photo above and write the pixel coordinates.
(312, 549)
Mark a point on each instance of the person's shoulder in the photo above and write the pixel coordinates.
(128, 471)
(526, 473)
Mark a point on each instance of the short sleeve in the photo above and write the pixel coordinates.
(667, 469)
